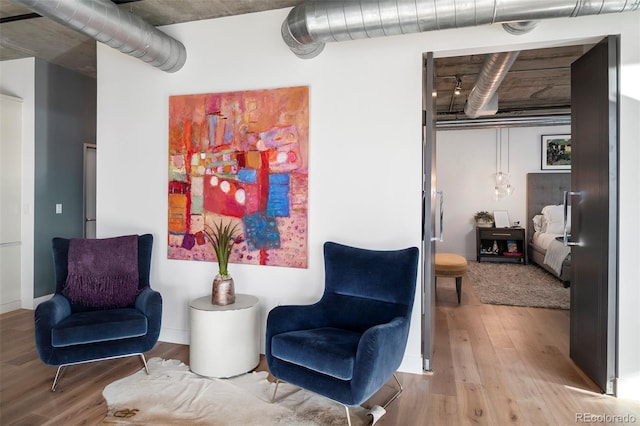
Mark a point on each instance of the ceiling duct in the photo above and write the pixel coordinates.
(519, 27)
(496, 122)
(484, 93)
(313, 23)
(115, 27)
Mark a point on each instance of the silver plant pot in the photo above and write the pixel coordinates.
(223, 290)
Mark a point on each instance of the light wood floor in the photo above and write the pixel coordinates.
(493, 365)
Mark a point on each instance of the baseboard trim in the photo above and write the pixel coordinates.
(411, 364)
(628, 388)
(173, 335)
(10, 306)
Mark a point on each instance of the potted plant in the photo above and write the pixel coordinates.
(483, 219)
(222, 238)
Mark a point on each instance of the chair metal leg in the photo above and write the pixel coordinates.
(62, 366)
(273, 398)
(144, 361)
(348, 415)
(393, 398)
(58, 375)
(397, 394)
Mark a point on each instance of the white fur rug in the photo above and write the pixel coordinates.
(171, 394)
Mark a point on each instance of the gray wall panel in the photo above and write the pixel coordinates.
(65, 119)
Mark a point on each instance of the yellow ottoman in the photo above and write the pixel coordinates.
(451, 265)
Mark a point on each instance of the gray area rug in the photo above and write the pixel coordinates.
(517, 285)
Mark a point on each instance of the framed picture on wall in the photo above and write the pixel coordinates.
(556, 152)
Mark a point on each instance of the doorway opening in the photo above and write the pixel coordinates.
(466, 154)
(89, 190)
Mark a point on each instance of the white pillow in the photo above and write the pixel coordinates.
(538, 223)
(553, 216)
(555, 228)
(553, 213)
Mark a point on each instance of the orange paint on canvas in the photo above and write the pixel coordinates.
(177, 213)
(250, 149)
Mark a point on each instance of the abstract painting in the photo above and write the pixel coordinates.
(240, 158)
(556, 152)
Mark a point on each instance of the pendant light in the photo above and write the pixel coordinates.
(510, 187)
(502, 187)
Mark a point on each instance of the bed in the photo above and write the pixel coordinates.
(545, 192)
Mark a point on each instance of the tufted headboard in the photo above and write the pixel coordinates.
(544, 189)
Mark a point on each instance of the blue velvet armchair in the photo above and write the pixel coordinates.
(350, 343)
(68, 331)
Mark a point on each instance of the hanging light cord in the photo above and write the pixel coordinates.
(508, 152)
(498, 149)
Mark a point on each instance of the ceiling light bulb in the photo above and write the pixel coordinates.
(458, 89)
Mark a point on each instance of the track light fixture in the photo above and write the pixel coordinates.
(458, 89)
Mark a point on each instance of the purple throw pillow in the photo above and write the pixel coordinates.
(102, 273)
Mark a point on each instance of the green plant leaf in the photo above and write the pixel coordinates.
(222, 238)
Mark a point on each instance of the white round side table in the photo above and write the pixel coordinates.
(225, 340)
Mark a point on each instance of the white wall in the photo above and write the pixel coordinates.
(365, 164)
(17, 78)
(466, 167)
(629, 211)
(365, 147)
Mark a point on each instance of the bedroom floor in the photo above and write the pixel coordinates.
(493, 365)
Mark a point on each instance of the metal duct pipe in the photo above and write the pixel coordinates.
(107, 23)
(494, 70)
(519, 27)
(313, 23)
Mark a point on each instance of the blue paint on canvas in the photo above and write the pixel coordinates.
(261, 231)
(278, 201)
(248, 175)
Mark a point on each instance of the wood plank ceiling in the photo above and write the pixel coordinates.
(538, 83)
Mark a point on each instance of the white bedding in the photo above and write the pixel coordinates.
(555, 251)
(548, 226)
(556, 254)
(543, 239)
